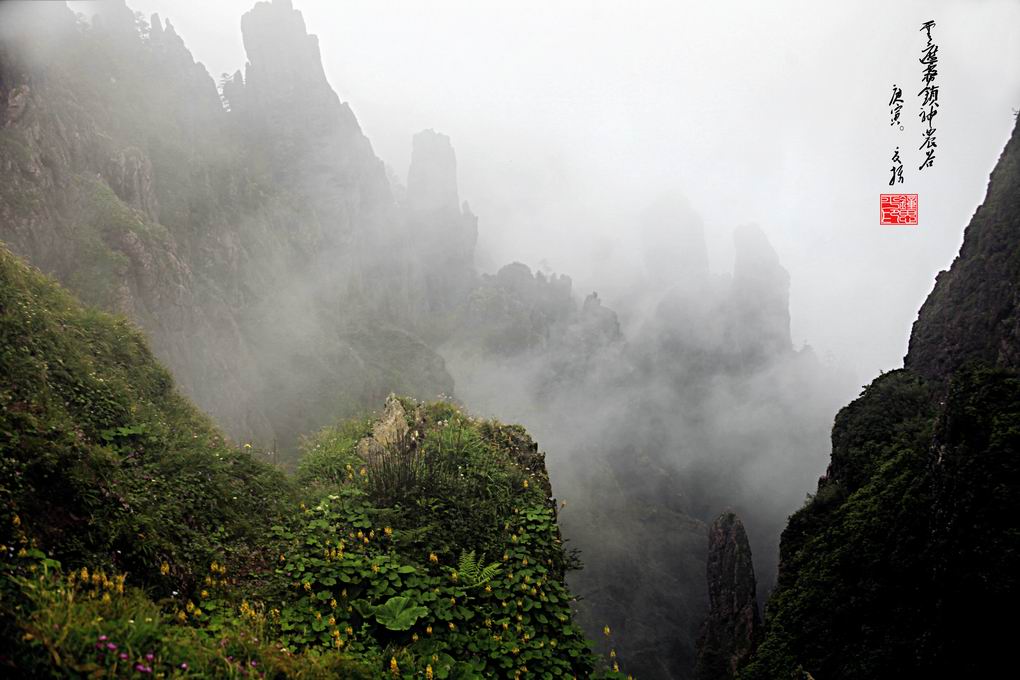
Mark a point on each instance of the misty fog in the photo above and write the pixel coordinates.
(668, 253)
(569, 118)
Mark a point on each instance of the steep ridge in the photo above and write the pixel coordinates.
(971, 315)
(245, 242)
(894, 567)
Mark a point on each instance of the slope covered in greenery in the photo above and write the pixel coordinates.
(907, 557)
(136, 540)
(892, 568)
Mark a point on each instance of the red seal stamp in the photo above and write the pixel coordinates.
(898, 209)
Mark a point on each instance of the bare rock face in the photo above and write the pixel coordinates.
(388, 431)
(730, 633)
(129, 174)
(973, 313)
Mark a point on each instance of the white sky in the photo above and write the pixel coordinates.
(569, 116)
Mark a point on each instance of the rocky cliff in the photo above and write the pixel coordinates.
(972, 313)
(896, 565)
(245, 240)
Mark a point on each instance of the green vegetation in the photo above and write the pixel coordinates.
(135, 540)
(889, 570)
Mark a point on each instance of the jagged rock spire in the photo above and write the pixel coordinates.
(432, 177)
(730, 632)
(760, 296)
(438, 223)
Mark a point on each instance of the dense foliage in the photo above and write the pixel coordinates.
(890, 569)
(135, 540)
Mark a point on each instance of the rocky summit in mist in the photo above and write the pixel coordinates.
(244, 235)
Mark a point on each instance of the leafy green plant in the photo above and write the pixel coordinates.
(472, 573)
(398, 613)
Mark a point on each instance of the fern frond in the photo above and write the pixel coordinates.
(488, 573)
(467, 566)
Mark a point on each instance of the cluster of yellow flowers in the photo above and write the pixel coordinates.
(336, 553)
(101, 584)
(193, 610)
(215, 577)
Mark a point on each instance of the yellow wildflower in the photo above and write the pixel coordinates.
(394, 669)
(525, 484)
(204, 594)
(428, 672)
(433, 558)
(606, 631)
(428, 630)
(16, 521)
(388, 531)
